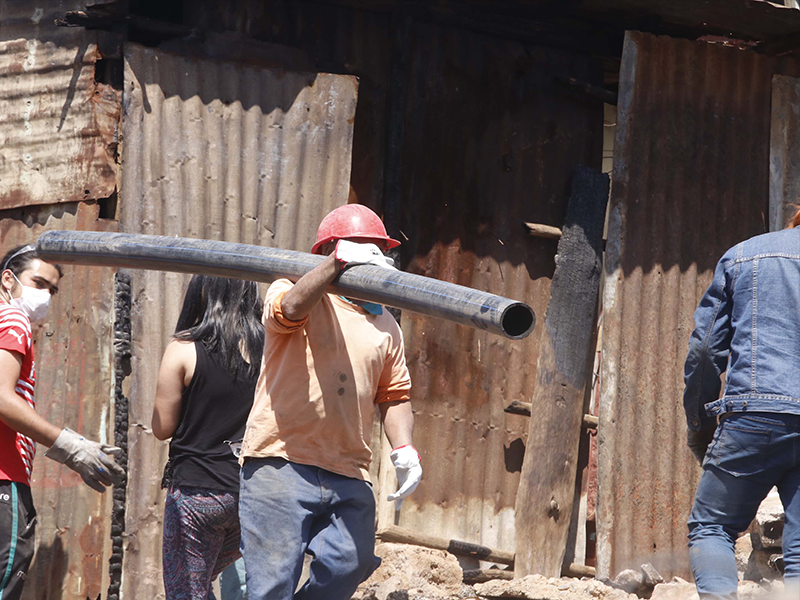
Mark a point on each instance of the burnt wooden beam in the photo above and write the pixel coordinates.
(103, 18)
(525, 408)
(472, 576)
(519, 408)
(547, 482)
(400, 535)
(779, 46)
(595, 92)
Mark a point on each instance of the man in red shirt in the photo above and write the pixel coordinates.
(26, 286)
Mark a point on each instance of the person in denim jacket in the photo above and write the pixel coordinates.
(748, 326)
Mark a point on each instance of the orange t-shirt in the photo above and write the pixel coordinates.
(320, 381)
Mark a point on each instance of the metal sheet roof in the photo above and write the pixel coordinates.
(222, 151)
(57, 125)
(690, 179)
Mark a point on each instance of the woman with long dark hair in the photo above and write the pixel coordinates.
(204, 394)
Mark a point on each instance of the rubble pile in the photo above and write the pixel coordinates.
(538, 587)
(758, 552)
(412, 572)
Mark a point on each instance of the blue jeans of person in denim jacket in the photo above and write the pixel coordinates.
(748, 326)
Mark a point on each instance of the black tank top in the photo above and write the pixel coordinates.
(214, 409)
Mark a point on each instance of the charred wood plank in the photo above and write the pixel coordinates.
(547, 483)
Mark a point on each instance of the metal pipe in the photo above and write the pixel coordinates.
(463, 305)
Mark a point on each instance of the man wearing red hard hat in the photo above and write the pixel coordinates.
(328, 361)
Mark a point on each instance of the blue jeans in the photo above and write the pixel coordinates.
(232, 582)
(287, 509)
(750, 453)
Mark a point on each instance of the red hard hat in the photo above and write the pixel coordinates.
(351, 221)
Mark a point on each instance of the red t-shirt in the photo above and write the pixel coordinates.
(16, 450)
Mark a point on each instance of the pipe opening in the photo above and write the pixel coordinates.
(518, 321)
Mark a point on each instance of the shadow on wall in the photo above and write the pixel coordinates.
(48, 571)
(472, 176)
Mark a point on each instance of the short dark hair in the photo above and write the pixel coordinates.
(20, 258)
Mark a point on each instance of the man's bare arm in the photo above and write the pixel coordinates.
(304, 295)
(398, 422)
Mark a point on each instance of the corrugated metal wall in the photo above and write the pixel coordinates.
(784, 156)
(490, 142)
(57, 125)
(218, 151)
(74, 389)
(468, 184)
(690, 179)
(56, 148)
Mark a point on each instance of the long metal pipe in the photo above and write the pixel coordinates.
(495, 314)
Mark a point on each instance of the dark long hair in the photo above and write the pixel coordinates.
(225, 315)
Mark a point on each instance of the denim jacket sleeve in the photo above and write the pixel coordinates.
(709, 345)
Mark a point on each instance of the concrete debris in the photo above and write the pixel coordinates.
(651, 577)
(755, 563)
(680, 589)
(758, 551)
(629, 580)
(769, 521)
(639, 581)
(538, 587)
(413, 571)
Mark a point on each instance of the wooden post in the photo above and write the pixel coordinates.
(547, 483)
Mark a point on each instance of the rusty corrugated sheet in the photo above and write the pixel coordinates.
(690, 179)
(74, 389)
(470, 178)
(57, 125)
(218, 151)
(784, 156)
(336, 39)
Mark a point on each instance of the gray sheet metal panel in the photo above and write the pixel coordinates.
(784, 155)
(219, 151)
(336, 39)
(73, 351)
(690, 179)
(471, 176)
(57, 125)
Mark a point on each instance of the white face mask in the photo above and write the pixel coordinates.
(33, 302)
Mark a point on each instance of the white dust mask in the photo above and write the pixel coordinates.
(34, 302)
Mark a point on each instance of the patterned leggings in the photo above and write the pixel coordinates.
(201, 538)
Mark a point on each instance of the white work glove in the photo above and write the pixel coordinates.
(89, 459)
(353, 253)
(409, 471)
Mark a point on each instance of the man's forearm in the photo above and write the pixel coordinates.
(398, 422)
(304, 295)
(19, 416)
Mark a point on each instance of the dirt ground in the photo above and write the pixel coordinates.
(414, 573)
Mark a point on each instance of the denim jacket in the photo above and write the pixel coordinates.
(748, 322)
